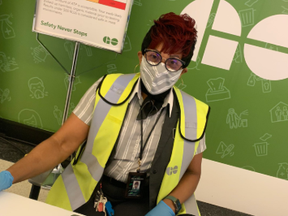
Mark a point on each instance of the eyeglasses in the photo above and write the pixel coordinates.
(154, 58)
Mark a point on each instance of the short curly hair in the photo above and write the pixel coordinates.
(176, 32)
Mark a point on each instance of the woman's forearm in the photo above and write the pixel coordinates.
(184, 189)
(186, 186)
(42, 158)
(52, 151)
(188, 183)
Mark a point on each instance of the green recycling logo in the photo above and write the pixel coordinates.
(219, 52)
(112, 41)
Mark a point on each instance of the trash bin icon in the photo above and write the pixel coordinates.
(261, 149)
(247, 17)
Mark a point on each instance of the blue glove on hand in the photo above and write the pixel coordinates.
(6, 180)
(161, 209)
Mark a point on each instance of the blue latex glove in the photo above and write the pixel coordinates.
(6, 180)
(161, 209)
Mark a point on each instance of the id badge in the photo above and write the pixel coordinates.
(135, 185)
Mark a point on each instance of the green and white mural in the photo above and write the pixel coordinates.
(239, 68)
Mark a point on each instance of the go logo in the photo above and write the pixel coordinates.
(172, 170)
(219, 52)
(112, 41)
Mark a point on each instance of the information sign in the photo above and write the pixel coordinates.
(98, 23)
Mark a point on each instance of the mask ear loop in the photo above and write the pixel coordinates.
(182, 80)
(136, 67)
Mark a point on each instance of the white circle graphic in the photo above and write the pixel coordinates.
(265, 63)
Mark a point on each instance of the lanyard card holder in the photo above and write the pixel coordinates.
(135, 185)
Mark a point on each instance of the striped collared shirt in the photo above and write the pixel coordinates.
(125, 156)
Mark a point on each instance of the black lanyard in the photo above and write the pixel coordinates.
(141, 144)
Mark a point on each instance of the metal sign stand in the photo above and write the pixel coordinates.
(71, 80)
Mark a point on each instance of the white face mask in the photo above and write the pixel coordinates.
(157, 79)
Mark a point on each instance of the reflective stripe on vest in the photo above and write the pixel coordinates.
(81, 179)
(75, 186)
(194, 112)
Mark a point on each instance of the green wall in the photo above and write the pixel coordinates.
(244, 128)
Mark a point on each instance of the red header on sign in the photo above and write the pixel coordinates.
(112, 3)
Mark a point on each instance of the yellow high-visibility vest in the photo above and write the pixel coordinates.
(75, 185)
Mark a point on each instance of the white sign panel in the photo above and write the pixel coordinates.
(99, 23)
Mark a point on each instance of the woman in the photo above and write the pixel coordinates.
(138, 127)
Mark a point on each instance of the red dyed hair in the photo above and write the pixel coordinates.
(176, 32)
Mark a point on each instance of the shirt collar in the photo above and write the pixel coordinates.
(168, 99)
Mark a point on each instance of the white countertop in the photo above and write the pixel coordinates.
(13, 205)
